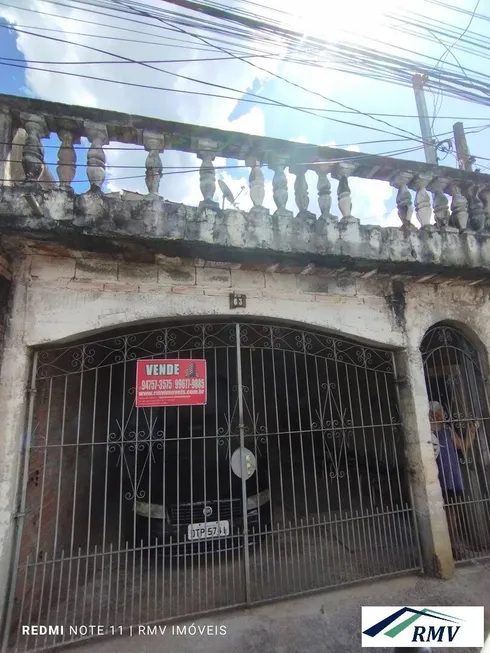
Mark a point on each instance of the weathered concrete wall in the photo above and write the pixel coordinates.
(420, 307)
(98, 222)
(73, 296)
(14, 375)
(66, 298)
(70, 297)
(5, 290)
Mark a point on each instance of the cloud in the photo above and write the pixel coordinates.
(168, 105)
(252, 122)
(153, 45)
(125, 168)
(370, 197)
(392, 220)
(369, 200)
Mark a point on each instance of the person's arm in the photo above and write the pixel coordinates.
(463, 444)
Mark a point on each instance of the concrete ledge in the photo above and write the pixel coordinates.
(112, 224)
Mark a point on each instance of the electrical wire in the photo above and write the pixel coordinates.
(448, 51)
(475, 130)
(453, 90)
(282, 78)
(132, 149)
(186, 170)
(134, 84)
(353, 157)
(104, 62)
(205, 83)
(379, 69)
(163, 43)
(465, 30)
(243, 55)
(112, 17)
(342, 111)
(204, 41)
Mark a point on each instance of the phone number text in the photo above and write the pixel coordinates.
(173, 384)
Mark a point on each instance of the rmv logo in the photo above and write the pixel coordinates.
(424, 634)
(417, 627)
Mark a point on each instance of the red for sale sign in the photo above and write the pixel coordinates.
(180, 382)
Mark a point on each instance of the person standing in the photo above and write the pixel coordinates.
(447, 445)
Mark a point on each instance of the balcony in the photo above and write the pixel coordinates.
(450, 206)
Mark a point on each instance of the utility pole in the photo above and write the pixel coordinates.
(418, 82)
(465, 160)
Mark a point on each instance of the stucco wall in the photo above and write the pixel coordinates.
(5, 288)
(69, 297)
(64, 298)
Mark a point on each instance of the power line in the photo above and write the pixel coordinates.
(363, 57)
(373, 55)
(112, 16)
(341, 111)
(284, 79)
(176, 170)
(99, 24)
(162, 44)
(404, 76)
(464, 31)
(200, 93)
(322, 109)
(273, 103)
(151, 87)
(336, 146)
(459, 9)
(449, 50)
(104, 62)
(353, 157)
(476, 130)
(186, 77)
(83, 20)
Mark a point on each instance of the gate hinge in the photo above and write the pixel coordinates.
(31, 391)
(18, 514)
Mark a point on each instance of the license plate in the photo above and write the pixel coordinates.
(209, 530)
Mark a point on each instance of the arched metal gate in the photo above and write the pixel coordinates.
(133, 516)
(455, 379)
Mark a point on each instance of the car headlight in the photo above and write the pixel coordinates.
(258, 499)
(152, 510)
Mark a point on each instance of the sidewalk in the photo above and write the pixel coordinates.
(328, 622)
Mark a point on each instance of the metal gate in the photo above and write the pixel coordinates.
(132, 516)
(455, 380)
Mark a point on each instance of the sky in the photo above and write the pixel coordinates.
(69, 26)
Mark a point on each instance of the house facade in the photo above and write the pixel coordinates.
(311, 463)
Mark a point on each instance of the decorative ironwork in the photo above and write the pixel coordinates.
(453, 372)
(317, 416)
(135, 446)
(334, 432)
(170, 341)
(252, 426)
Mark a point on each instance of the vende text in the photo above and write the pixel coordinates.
(163, 370)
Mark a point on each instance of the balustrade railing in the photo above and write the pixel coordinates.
(441, 196)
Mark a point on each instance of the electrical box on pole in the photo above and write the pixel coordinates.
(418, 82)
